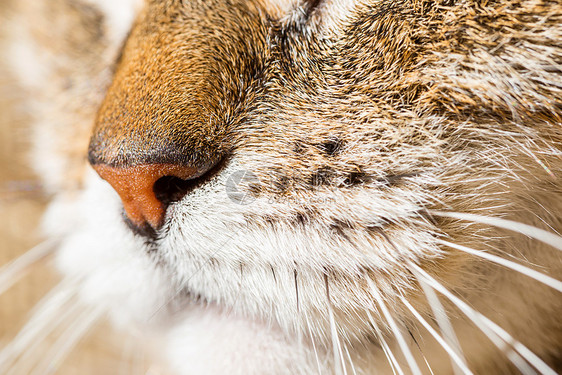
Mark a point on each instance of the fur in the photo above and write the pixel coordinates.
(358, 119)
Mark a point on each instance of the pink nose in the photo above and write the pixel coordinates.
(137, 187)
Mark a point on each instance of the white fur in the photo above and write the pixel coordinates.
(98, 249)
(116, 274)
(119, 15)
(257, 290)
(208, 341)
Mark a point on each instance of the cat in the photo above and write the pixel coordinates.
(301, 187)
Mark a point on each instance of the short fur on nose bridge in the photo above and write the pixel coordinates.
(135, 186)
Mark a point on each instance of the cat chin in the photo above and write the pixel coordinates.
(208, 340)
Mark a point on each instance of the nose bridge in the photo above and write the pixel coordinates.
(164, 102)
(150, 126)
(183, 82)
(187, 72)
(146, 115)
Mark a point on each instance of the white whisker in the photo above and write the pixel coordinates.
(45, 316)
(427, 364)
(67, 341)
(460, 362)
(350, 360)
(338, 354)
(542, 235)
(421, 353)
(443, 322)
(398, 335)
(16, 269)
(394, 365)
(545, 279)
(27, 360)
(313, 344)
(339, 363)
(499, 337)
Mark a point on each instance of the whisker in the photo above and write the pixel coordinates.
(67, 341)
(299, 331)
(394, 365)
(17, 268)
(542, 235)
(313, 344)
(427, 363)
(545, 279)
(295, 274)
(460, 362)
(518, 353)
(350, 360)
(48, 313)
(401, 342)
(339, 363)
(421, 352)
(25, 361)
(443, 323)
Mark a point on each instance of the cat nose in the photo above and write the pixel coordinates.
(147, 190)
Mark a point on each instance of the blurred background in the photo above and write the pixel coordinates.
(21, 204)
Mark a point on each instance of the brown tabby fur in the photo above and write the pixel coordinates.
(447, 105)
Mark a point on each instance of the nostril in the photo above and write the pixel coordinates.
(170, 189)
(147, 190)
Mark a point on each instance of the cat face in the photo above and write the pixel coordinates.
(313, 170)
(228, 95)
